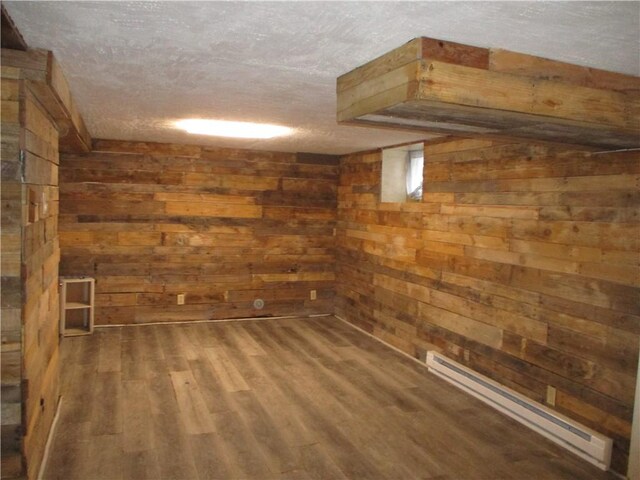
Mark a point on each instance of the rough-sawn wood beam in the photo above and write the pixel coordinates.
(444, 87)
(46, 79)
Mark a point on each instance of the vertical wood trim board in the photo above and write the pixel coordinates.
(222, 226)
(521, 262)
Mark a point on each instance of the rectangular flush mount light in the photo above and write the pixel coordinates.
(223, 128)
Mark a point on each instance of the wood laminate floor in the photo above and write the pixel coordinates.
(277, 399)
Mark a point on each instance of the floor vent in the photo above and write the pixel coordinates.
(588, 444)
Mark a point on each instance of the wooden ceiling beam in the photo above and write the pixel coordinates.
(442, 87)
(45, 78)
(9, 33)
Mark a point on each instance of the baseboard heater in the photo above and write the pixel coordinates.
(588, 444)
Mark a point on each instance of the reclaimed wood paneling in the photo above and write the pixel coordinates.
(225, 227)
(46, 78)
(30, 258)
(522, 262)
(437, 86)
(11, 294)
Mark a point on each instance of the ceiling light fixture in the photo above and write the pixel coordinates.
(223, 128)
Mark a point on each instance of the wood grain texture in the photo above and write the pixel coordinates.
(45, 77)
(225, 227)
(441, 87)
(521, 262)
(30, 250)
(322, 400)
(529, 65)
(11, 294)
(41, 256)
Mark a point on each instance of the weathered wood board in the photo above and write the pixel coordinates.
(45, 77)
(522, 262)
(448, 88)
(224, 227)
(11, 294)
(30, 258)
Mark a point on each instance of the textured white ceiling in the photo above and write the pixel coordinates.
(134, 66)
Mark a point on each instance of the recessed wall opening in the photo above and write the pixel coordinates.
(402, 172)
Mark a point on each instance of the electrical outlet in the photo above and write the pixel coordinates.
(180, 298)
(313, 295)
(551, 395)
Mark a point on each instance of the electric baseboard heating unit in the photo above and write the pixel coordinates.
(588, 444)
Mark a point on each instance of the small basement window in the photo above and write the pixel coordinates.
(402, 170)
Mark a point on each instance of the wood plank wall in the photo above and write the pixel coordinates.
(40, 261)
(11, 292)
(151, 221)
(30, 256)
(522, 262)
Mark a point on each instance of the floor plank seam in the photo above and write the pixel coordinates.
(293, 399)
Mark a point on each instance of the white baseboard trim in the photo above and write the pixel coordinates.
(221, 320)
(379, 340)
(424, 364)
(47, 446)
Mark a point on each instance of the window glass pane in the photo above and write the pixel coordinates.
(415, 166)
(402, 169)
